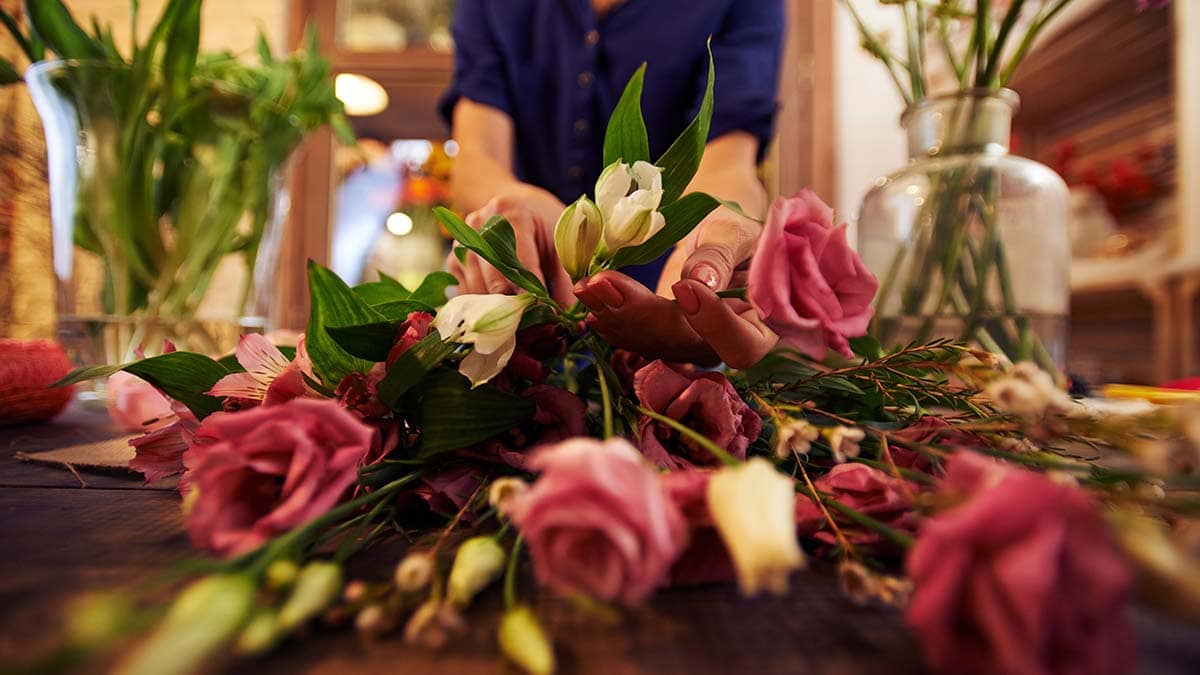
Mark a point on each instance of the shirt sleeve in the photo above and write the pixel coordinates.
(746, 54)
(479, 72)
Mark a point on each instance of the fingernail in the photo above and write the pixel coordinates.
(608, 293)
(707, 275)
(686, 298)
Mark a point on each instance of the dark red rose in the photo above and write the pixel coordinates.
(703, 401)
(1022, 578)
(866, 490)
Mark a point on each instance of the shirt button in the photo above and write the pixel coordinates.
(592, 38)
(581, 126)
(575, 172)
(585, 79)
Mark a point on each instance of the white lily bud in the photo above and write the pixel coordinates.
(628, 198)
(479, 562)
(489, 322)
(753, 508)
(317, 586)
(502, 490)
(202, 621)
(577, 235)
(434, 624)
(524, 641)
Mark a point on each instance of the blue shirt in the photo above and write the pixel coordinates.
(558, 73)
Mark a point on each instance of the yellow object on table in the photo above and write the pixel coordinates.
(1152, 394)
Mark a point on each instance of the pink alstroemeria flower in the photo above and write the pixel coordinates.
(269, 378)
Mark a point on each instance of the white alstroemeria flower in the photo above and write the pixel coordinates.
(489, 323)
(628, 199)
(843, 442)
(577, 235)
(795, 436)
(753, 507)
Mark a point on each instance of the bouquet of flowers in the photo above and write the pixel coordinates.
(929, 477)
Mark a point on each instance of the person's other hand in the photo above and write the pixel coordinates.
(533, 213)
(697, 326)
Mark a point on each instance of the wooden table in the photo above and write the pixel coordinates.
(59, 538)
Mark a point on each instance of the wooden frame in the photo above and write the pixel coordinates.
(805, 138)
(421, 71)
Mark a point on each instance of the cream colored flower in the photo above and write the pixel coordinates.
(502, 490)
(753, 508)
(489, 323)
(414, 571)
(433, 625)
(577, 235)
(628, 198)
(1028, 391)
(795, 436)
(843, 442)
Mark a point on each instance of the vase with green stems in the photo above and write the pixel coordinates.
(969, 241)
(167, 167)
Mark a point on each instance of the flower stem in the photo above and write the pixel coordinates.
(716, 450)
(737, 293)
(510, 574)
(606, 399)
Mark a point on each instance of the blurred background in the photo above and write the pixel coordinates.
(1103, 98)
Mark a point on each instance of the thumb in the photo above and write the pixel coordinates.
(721, 246)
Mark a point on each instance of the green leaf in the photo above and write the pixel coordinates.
(371, 341)
(182, 48)
(52, 23)
(8, 74)
(496, 233)
(183, 376)
(334, 305)
(412, 366)
(625, 138)
(682, 159)
(867, 347)
(432, 291)
(682, 216)
(386, 289)
(17, 34)
(451, 415)
(264, 50)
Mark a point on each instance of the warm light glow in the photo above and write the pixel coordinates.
(360, 94)
(399, 224)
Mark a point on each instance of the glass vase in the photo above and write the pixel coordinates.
(167, 217)
(970, 242)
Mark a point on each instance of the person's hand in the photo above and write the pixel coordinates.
(697, 326)
(533, 213)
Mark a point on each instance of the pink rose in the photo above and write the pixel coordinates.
(598, 521)
(806, 282)
(929, 430)
(263, 471)
(1021, 579)
(703, 401)
(863, 489)
(133, 403)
